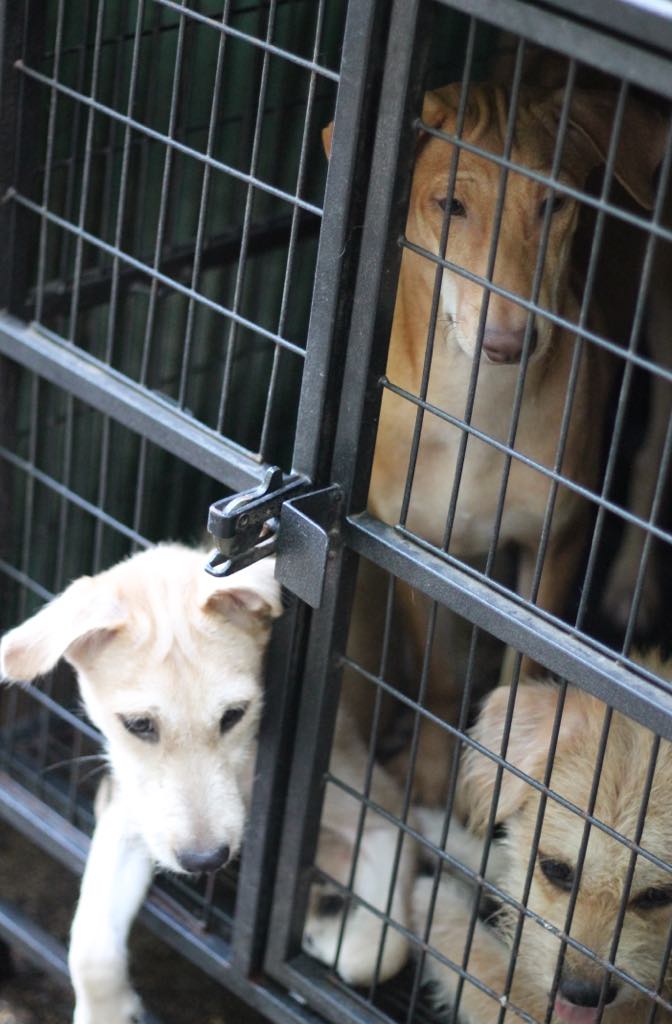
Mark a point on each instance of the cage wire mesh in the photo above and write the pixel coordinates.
(170, 212)
(519, 909)
(171, 221)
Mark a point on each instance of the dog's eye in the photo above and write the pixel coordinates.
(653, 898)
(231, 717)
(558, 872)
(330, 904)
(556, 202)
(457, 209)
(144, 728)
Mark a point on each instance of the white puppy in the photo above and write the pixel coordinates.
(169, 662)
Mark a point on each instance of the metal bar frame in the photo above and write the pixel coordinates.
(343, 381)
(120, 398)
(569, 653)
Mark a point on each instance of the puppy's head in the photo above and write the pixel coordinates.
(169, 664)
(603, 879)
(475, 204)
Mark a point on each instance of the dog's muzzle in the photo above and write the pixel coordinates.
(578, 999)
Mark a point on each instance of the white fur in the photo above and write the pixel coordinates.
(155, 637)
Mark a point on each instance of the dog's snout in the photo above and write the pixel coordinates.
(196, 862)
(579, 998)
(506, 346)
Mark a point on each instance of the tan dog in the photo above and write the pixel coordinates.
(639, 954)
(550, 348)
(169, 664)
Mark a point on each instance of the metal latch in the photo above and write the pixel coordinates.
(244, 527)
(284, 516)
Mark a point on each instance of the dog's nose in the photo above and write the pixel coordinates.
(196, 862)
(578, 999)
(502, 346)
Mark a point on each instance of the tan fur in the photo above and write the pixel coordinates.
(537, 434)
(619, 799)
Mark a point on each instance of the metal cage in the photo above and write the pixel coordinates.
(196, 303)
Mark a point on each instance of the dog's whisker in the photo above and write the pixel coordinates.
(95, 771)
(74, 760)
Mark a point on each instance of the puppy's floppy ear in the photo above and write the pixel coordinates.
(252, 593)
(528, 745)
(327, 137)
(640, 145)
(82, 615)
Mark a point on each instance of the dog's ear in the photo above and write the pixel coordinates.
(527, 749)
(435, 110)
(438, 105)
(327, 136)
(640, 145)
(252, 593)
(83, 615)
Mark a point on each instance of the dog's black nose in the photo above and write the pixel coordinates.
(196, 863)
(584, 991)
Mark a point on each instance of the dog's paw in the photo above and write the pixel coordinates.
(361, 951)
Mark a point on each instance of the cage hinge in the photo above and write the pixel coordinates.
(244, 527)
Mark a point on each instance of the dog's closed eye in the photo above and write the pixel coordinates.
(555, 202)
(654, 898)
(231, 717)
(141, 726)
(558, 872)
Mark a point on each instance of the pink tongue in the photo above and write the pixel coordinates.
(574, 1014)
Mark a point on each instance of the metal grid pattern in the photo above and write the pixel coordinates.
(164, 233)
(166, 207)
(429, 568)
(652, 237)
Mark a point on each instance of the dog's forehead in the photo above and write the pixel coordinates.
(486, 117)
(623, 799)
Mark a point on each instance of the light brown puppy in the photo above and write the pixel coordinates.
(455, 343)
(639, 954)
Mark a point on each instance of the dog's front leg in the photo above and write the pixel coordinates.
(116, 878)
(488, 959)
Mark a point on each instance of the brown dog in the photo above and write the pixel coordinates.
(551, 350)
(641, 970)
